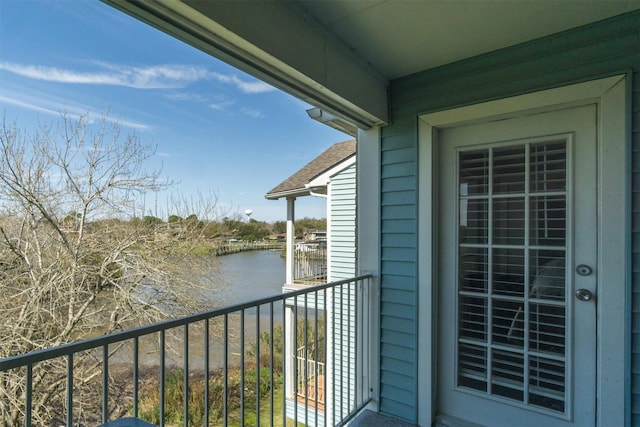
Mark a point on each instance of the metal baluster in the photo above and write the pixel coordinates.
(352, 360)
(315, 356)
(341, 415)
(306, 361)
(105, 383)
(333, 354)
(357, 346)
(70, 392)
(242, 367)
(136, 375)
(162, 379)
(271, 385)
(295, 363)
(225, 406)
(28, 396)
(206, 372)
(185, 378)
(258, 365)
(326, 355)
(284, 360)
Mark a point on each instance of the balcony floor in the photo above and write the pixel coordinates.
(373, 419)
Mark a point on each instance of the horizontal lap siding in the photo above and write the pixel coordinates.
(398, 268)
(343, 224)
(342, 247)
(586, 53)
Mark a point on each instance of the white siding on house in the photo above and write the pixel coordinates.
(341, 215)
(342, 225)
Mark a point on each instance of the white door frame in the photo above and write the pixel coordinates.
(610, 96)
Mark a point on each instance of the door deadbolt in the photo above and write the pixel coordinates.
(584, 270)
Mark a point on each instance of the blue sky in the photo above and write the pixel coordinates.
(215, 128)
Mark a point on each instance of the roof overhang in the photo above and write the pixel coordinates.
(319, 183)
(293, 194)
(341, 55)
(279, 43)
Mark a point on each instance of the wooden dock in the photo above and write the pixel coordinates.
(237, 247)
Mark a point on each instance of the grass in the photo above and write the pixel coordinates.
(174, 393)
(174, 403)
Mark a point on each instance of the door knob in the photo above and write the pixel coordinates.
(584, 295)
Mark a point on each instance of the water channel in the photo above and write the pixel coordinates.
(248, 276)
(239, 278)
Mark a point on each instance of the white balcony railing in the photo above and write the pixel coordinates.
(310, 263)
(311, 375)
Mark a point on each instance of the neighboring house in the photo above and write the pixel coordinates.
(498, 191)
(331, 175)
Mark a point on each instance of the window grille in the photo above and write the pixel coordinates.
(512, 252)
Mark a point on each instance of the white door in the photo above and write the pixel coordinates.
(517, 286)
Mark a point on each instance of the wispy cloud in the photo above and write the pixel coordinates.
(255, 86)
(150, 77)
(53, 108)
(221, 105)
(253, 113)
(185, 96)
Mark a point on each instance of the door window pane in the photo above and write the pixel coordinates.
(473, 269)
(512, 254)
(548, 167)
(474, 173)
(474, 225)
(508, 221)
(509, 169)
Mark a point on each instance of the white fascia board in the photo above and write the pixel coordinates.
(278, 43)
(323, 179)
(288, 194)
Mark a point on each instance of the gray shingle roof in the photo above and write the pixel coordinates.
(295, 184)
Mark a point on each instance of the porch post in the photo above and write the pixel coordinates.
(290, 239)
(368, 257)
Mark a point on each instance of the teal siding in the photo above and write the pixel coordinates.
(635, 243)
(398, 340)
(605, 48)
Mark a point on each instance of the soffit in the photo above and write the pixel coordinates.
(398, 38)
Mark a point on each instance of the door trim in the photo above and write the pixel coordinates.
(610, 96)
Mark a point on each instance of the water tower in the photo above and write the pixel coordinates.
(248, 213)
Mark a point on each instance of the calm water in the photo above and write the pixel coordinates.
(249, 276)
(235, 279)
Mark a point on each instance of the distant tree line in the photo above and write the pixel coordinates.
(234, 227)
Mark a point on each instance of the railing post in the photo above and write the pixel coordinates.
(290, 240)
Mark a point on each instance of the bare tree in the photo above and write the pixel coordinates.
(73, 264)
